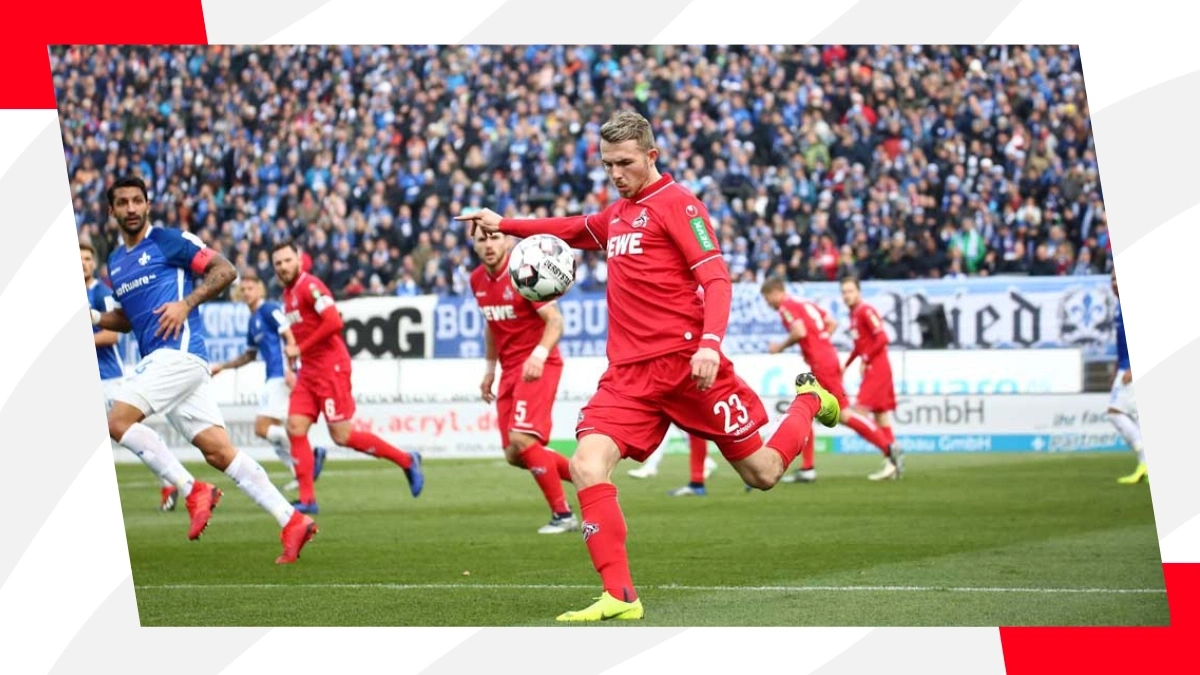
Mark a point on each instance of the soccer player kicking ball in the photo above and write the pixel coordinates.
(811, 327)
(323, 379)
(664, 360)
(1122, 406)
(266, 334)
(155, 299)
(877, 393)
(525, 336)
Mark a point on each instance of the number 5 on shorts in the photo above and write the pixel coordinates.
(519, 417)
(726, 408)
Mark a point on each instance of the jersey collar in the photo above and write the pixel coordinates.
(650, 189)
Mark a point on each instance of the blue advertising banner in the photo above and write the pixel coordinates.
(982, 313)
(996, 313)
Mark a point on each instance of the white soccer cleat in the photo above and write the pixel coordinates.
(560, 524)
(643, 472)
(292, 486)
(888, 472)
(709, 467)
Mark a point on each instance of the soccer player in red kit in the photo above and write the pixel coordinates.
(664, 360)
(523, 336)
(323, 379)
(877, 393)
(811, 327)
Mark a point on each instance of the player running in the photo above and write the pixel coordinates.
(877, 393)
(154, 297)
(323, 379)
(108, 355)
(811, 327)
(1122, 406)
(664, 360)
(524, 336)
(266, 334)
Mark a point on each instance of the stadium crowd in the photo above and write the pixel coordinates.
(890, 162)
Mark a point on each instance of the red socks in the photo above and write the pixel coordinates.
(699, 453)
(891, 437)
(604, 533)
(302, 463)
(806, 454)
(371, 444)
(544, 467)
(563, 466)
(796, 428)
(873, 434)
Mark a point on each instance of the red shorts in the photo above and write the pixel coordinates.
(323, 392)
(830, 378)
(636, 403)
(525, 407)
(877, 393)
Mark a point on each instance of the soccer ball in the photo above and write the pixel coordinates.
(542, 267)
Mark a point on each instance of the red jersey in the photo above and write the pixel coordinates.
(514, 321)
(304, 302)
(660, 244)
(815, 345)
(870, 339)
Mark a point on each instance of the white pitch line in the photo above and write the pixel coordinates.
(667, 587)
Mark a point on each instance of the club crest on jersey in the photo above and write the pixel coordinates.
(144, 258)
(508, 293)
(589, 529)
(691, 211)
(641, 220)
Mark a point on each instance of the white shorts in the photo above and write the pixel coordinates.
(273, 399)
(1122, 398)
(173, 384)
(111, 387)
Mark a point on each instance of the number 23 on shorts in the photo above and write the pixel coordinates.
(727, 407)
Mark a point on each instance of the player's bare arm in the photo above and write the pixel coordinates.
(106, 338)
(289, 373)
(550, 336)
(489, 375)
(114, 320)
(237, 362)
(796, 333)
(573, 230)
(218, 274)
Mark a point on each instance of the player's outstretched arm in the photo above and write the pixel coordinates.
(550, 336)
(114, 320)
(241, 360)
(581, 232)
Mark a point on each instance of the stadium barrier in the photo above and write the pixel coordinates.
(923, 424)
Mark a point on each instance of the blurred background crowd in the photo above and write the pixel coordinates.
(889, 162)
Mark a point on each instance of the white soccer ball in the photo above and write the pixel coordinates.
(542, 267)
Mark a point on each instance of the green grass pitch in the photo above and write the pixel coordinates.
(962, 540)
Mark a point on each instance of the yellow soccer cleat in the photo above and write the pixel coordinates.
(831, 411)
(605, 608)
(1139, 474)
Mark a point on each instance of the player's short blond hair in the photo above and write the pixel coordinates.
(626, 125)
(772, 285)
